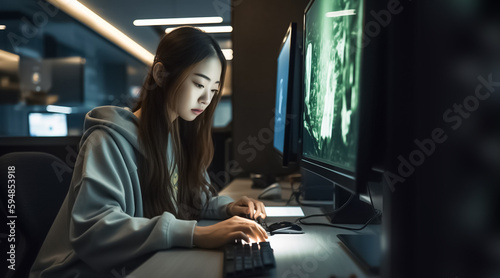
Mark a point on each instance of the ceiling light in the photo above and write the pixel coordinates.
(228, 53)
(341, 13)
(2, 27)
(177, 21)
(211, 29)
(4, 55)
(59, 109)
(101, 26)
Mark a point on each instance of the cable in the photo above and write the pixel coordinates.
(371, 199)
(377, 213)
(294, 193)
(327, 214)
(291, 197)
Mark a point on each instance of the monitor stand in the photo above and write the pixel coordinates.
(356, 212)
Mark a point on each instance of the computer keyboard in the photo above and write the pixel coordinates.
(245, 260)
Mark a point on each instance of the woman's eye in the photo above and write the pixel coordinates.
(198, 85)
(215, 91)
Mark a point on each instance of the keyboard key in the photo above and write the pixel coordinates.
(238, 263)
(245, 260)
(248, 264)
(267, 254)
(230, 268)
(229, 253)
(265, 244)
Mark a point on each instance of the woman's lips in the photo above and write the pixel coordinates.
(197, 111)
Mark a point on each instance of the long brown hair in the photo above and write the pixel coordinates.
(179, 51)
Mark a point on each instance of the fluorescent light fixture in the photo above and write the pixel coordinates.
(341, 13)
(4, 55)
(208, 29)
(59, 109)
(2, 27)
(228, 53)
(101, 26)
(178, 21)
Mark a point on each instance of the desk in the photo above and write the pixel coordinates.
(316, 253)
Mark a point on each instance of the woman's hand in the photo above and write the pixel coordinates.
(248, 206)
(236, 227)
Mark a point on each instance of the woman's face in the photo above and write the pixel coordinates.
(197, 91)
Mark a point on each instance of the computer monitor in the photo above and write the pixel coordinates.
(333, 98)
(288, 94)
(341, 123)
(47, 124)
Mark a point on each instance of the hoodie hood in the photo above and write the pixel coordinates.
(112, 118)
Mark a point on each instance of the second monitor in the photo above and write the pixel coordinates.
(288, 95)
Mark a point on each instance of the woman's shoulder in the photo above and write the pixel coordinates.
(107, 146)
(115, 108)
(112, 123)
(97, 138)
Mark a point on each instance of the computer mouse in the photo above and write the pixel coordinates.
(272, 192)
(285, 227)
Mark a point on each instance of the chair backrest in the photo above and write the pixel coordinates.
(41, 183)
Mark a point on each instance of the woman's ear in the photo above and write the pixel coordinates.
(159, 74)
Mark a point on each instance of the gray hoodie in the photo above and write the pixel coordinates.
(101, 225)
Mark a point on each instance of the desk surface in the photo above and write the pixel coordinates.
(316, 253)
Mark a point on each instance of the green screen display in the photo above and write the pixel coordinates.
(332, 53)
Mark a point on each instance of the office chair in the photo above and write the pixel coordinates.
(41, 183)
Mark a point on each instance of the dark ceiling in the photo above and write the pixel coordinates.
(119, 13)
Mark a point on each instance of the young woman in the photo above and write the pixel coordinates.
(140, 180)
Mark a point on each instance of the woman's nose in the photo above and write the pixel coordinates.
(205, 97)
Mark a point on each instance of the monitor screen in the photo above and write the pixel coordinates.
(332, 58)
(47, 124)
(281, 94)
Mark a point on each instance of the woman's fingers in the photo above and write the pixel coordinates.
(251, 228)
(251, 208)
(258, 210)
(263, 210)
(223, 232)
(258, 233)
(239, 235)
(262, 232)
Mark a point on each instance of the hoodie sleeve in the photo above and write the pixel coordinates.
(216, 206)
(103, 230)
